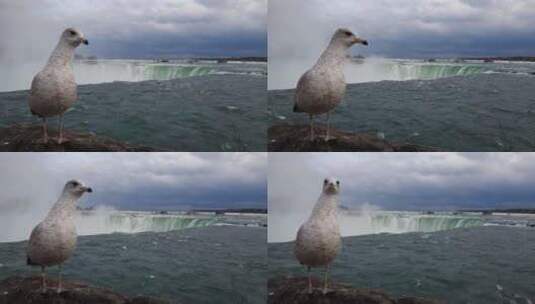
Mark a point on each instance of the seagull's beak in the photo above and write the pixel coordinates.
(361, 41)
(88, 189)
(86, 42)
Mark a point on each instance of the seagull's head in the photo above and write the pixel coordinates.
(347, 38)
(73, 37)
(331, 185)
(76, 188)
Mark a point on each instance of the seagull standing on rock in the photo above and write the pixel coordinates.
(318, 239)
(322, 88)
(53, 89)
(53, 240)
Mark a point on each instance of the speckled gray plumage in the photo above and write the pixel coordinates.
(321, 89)
(54, 239)
(53, 89)
(318, 239)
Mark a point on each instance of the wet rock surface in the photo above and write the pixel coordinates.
(295, 291)
(28, 138)
(287, 138)
(18, 290)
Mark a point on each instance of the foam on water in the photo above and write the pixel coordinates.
(366, 222)
(375, 69)
(106, 220)
(19, 77)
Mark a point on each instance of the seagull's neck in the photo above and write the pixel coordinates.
(334, 55)
(65, 207)
(326, 206)
(62, 54)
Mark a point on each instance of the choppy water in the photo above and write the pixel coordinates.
(198, 265)
(201, 113)
(492, 264)
(479, 111)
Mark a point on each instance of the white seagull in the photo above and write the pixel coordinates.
(53, 240)
(53, 89)
(322, 87)
(318, 240)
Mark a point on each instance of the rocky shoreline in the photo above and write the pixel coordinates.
(294, 291)
(18, 290)
(27, 138)
(288, 138)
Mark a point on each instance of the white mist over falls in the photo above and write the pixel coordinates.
(107, 220)
(370, 220)
(286, 74)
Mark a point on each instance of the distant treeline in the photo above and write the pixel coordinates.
(516, 210)
(244, 210)
(225, 59)
(513, 58)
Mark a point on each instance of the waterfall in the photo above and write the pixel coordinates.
(105, 222)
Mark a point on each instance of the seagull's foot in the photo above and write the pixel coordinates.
(328, 138)
(61, 140)
(43, 140)
(326, 291)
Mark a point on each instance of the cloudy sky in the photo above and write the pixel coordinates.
(135, 28)
(407, 28)
(413, 181)
(135, 181)
(300, 29)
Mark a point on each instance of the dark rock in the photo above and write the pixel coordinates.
(17, 290)
(27, 138)
(286, 138)
(294, 291)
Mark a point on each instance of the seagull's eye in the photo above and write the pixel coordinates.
(75, 184)
(325, 181)
(348, 33)
(72, 33)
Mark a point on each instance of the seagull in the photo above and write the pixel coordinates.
(322, 87)
(53, 240)
(318, 240)
(53, 89)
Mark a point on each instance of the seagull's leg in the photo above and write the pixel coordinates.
(43, 279)
(311, 127)
(59, 279)
(309, 280)
(45, 131)
(328, 136)
(60, 131)
(325, 279)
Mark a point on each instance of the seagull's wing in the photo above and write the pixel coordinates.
(36, 90)
(300, 89)
(33, 242)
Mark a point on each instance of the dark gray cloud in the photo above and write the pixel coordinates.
(415, 181)
(135, 28)
(406, 28)
(135, 181)
(299, 30)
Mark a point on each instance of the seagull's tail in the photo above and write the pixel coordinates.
(29, 261)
